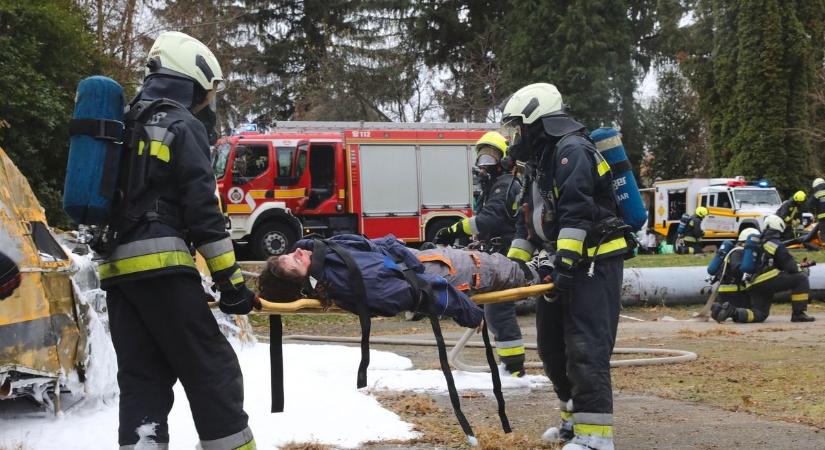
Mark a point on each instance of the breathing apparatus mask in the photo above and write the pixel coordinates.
(207, 114)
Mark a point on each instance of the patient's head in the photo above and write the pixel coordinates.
(284, 276)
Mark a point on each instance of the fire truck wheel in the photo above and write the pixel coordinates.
(271, 239)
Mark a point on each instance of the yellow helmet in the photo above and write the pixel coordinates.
(799, 196)
(701, 211)
(490, 148)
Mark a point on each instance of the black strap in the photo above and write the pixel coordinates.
(356, 282)
(424, 298)
(621, 166)
(276, 362)
(491, 361)
(103, 129)
(445, 368)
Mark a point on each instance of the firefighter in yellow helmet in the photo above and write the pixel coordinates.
(689, 234)
(493, 224)
(790, 211)
(162, 328)
(818, 205)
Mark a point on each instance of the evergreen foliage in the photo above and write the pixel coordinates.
(46, 49)
(755, 78)
(677, 138)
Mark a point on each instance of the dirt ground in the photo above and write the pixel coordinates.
(756, 386)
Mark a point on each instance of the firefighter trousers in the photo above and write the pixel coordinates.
(503, 323)
(575, 335)
(163, 331)
(762, 296)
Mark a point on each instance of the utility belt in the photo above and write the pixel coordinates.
(152, 209)
(607, 231)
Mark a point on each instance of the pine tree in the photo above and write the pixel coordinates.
(675, 130)
(756, 81)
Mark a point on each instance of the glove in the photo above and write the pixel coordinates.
(448, 235)
(444, 236)
(9, 276)
(562, 280)
(543, 267)
(239, 300)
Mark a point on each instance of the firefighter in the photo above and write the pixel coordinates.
(791, 211)
(818, 206)
(494, 222)
(9, 276)
(731, 287)
(161, 325)
(776, 271)
(690, 232)
(570, 208)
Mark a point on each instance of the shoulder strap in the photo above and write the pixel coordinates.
(356, 282)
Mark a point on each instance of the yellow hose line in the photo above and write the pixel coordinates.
(311, 305)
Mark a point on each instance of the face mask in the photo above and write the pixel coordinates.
(209, 120)
(520, 150)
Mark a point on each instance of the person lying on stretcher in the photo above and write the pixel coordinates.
(314, 270)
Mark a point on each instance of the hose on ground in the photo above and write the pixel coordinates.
(673, 356)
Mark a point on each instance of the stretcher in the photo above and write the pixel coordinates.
(311, 305)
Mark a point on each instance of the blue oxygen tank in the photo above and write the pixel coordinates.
(719, 257)
(683, 223)
(94, 151)
(752, 245)
(609, 143)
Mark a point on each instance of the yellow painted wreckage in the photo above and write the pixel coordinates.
(42, 344)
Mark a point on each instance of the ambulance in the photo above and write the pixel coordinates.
(733, 204)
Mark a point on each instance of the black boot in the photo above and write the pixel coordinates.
(724, 312)
(798, 314)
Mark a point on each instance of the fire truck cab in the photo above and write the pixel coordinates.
(330, 178)
(733, 204)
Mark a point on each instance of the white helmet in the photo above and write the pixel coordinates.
(774, 222)
(531, 102)
(746, 233)
(179, 54)
(817, 182)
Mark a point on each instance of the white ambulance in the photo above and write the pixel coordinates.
(733, 204)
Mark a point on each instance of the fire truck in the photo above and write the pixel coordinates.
(340, 177)
(733, 204)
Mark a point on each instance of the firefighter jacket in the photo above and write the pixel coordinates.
(570, 204)
(170, 204)
(730, 274)
(495, 215)
(693, 229)
(773, 259)
(789, 211)
(382, 263)
(818, 202)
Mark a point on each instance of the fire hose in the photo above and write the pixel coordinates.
(313, 306)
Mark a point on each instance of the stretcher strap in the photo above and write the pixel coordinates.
(276, 362)
(445, 367)
(491, 360)
(356, 282)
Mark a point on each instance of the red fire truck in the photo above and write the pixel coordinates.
(339, 177)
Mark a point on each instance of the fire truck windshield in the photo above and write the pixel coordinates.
(219, 159)
(757, 196)
(285, 160)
